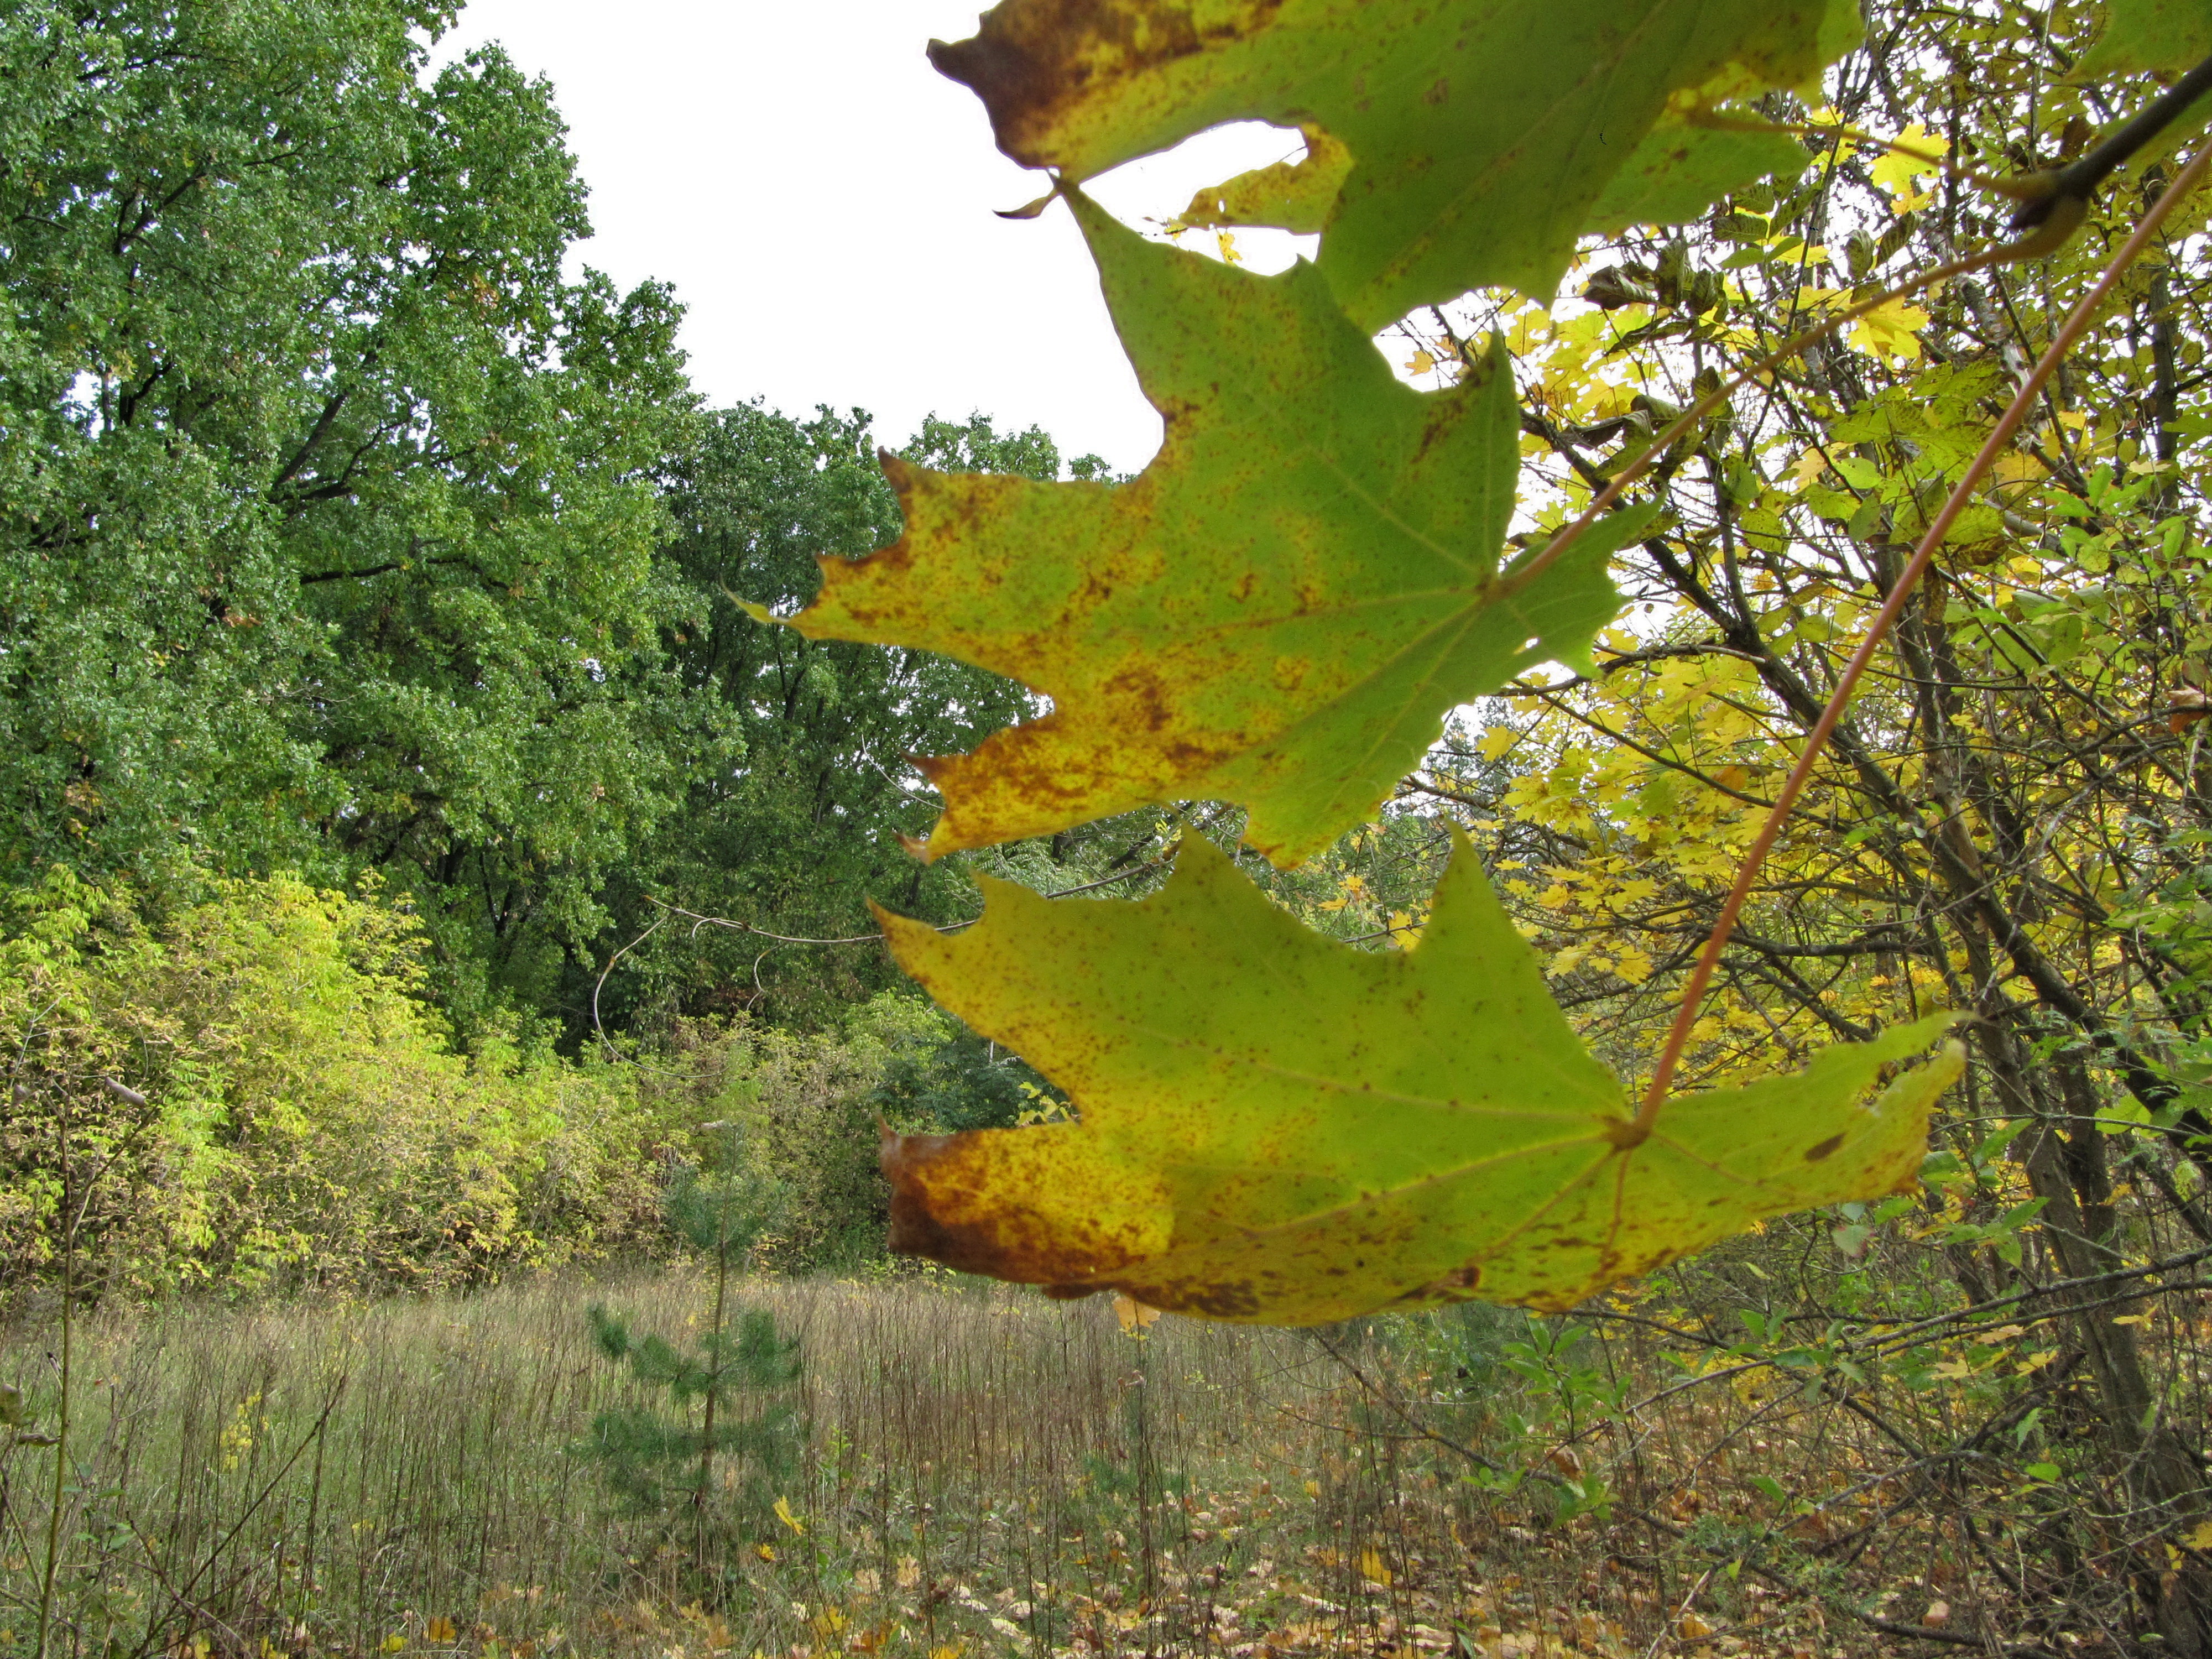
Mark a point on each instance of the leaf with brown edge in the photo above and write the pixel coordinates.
(1280, 1129)
(1484, 134)
(1279, 610)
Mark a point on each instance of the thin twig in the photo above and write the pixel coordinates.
(671, 912)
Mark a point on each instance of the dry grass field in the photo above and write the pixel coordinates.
(984, 1472)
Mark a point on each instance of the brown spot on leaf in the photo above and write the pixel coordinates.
(1459, 1282)
(1036, 63)
(1238, 1301)
(1826, 1149)
(916, 1230)
(954, 1200)
(1144, 698)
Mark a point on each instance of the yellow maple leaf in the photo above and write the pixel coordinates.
(1900, 173)
(1134, 1316)
(439, 1630)
(1889, 330)
(1829, 116)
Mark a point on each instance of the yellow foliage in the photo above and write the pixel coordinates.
(1901, 174)
(1889, 330)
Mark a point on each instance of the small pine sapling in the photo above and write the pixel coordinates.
(663, 1459)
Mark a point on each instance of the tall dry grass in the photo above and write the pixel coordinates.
(986, 1472)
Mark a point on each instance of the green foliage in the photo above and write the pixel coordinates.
(809, 1109)
(652, 1461)
(270, 1103)
(267, 1103)
(964, 1082)
(2165, 35)
(330, 503)
(804, 821)
(722, 1212)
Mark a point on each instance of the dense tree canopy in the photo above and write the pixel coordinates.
(331, 508)
(806, 823)
(343, 531)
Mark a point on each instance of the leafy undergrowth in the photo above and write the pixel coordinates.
(986, 1472)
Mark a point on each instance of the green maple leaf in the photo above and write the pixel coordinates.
(1280, 611)
(2167, 36)
(1278, 1129)
(1484, 136)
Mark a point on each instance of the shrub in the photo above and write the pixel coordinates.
(256, 1096)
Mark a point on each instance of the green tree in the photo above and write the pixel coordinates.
(330, 506)
(802, 822)
(655, 1462)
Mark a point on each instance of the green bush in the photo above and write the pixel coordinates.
(811, 1107)
(256, 1097)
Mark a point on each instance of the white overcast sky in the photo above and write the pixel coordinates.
(823, 201)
